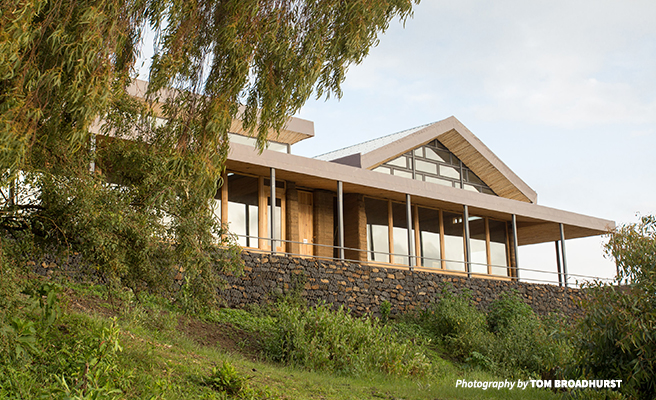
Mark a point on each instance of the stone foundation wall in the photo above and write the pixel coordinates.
(363, 288)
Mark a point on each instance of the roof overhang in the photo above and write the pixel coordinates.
(295, 129)
(536, 224)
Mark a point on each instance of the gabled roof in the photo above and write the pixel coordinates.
(457, 138)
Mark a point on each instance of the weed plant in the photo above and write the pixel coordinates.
(318, 338)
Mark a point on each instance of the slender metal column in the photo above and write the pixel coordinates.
(272, 209)
(411, 236)
(515, 245)
(562, 245)
(560, 274)
(340, 217)
(92, 163)
(465, 220)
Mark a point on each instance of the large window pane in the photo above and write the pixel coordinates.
(399, 162)
(498, 249)
(377, 229)
(405, 174)
(449, 172)
(425, 166)
(400, 233)
(454, 248)
(478, 245)
(243, 209)
(429, 237)
(437, 155)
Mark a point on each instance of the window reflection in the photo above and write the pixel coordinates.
(478, 245)
(400, 233)
(243, 209)
(429, 237)
(377, 230)
(454, 248)
(498, 248)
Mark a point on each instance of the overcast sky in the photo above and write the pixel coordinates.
(563, 92)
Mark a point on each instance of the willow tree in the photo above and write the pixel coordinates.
(65, 64)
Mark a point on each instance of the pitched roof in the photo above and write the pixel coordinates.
(369, 145)
(457, 138)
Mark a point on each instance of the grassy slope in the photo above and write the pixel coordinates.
(170, 356)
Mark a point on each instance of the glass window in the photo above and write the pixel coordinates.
(400, 233)
(449, 172)
(437, 155)
(471, 188)
(477, 242)
(419, 152)
(454, 248)
(377, 229)
(498, 251)
(429, 237)
(404, 174)
(399, 162)
(439, 181)
(216, 207)
(471, 177)
(243, 216)
(425, 166)
(383, 169)
(250, 141)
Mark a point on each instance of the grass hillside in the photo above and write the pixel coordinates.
(73, 341)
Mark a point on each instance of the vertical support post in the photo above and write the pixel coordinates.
(465, 221)
(92, 150)
(411, 235)
(562, 245)
(515, 245)
(272, 209)
(560, 274)
(340, 218)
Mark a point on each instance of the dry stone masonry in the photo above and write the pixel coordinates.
(362, 288)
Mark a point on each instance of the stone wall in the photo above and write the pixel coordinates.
(363, 288)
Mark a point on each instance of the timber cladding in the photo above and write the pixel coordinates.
(362, 288)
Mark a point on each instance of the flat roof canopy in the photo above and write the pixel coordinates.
(535, 223)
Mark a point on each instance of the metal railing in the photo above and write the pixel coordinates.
(551, 277)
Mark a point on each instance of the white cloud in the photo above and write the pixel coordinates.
(561, 63)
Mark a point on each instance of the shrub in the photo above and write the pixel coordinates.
(510, 340)
(457, 324)
(522, 342)
(616, 338)
(320, 339)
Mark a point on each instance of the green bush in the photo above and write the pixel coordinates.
(617, 337)
(457, 324)
(321, 339)
(510, 340)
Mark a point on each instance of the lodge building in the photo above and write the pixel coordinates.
(433, 198)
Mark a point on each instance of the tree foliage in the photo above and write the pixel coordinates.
(617, 339)
(66, 66)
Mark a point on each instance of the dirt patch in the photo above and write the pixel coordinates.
(90, 304)
(226, 336)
